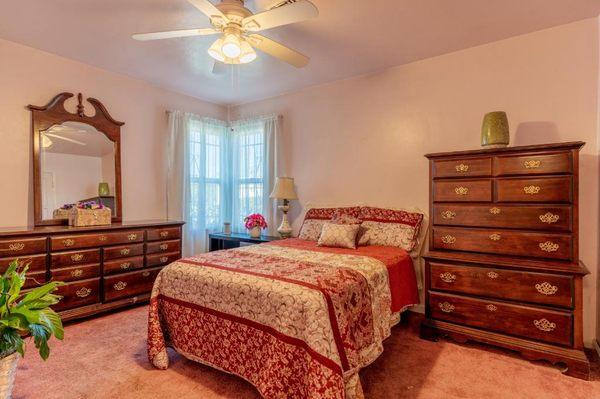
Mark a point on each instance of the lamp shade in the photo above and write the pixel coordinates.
(284, 189)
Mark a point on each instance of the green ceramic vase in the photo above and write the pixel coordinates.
(494, 131)
(103, 190)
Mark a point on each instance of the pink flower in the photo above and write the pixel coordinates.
(255, 220)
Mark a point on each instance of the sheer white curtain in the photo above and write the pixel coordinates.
(254, 167)
(198, 180)
(219, 173)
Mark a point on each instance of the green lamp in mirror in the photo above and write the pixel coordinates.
(103, 190)
(494, 131)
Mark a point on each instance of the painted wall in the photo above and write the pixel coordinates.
(29, 76)
(363, 139)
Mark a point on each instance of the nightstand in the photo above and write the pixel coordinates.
(218, 241)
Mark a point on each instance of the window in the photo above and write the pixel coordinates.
(250, 151)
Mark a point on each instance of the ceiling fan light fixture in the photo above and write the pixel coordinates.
(248, 54)
(232, 46)
(215, 50)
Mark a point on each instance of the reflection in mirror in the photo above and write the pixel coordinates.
(77, 163)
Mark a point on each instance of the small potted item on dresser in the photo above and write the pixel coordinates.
(23, 315)
(63, 212)
(255, 223)
(89, 213)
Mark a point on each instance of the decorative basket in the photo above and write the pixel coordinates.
(8, 369)
(61, 213)
(79, 217)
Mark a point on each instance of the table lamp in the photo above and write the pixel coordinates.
(284, 190)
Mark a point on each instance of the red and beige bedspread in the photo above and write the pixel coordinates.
(294, 319)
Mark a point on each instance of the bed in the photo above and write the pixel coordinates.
(295, 319)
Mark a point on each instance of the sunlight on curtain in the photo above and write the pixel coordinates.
(220, 174)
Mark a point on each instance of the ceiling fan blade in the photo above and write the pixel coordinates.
(175, 33)
(278, 50)
(300, 10)
(219, 68)
(64, 138)
(212, 12)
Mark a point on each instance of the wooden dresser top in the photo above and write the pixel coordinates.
(50, 230)
(509, 150)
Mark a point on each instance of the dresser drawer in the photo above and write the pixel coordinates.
(507, 242)
(524, 321)
(163, 246)
(96, 240)
(129, 284)
(166, 233)
(161, 259)
(543, 189)
(75, 273)
(473, 167)
(509, 216)
(77, 294)
(123, 251)
(34, 279)
(542, 288)
(462, 190)
(36, 262)
(533, 164)
(24, 246)
(62, 259)
(123, 265)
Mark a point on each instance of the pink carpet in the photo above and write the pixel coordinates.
(105, 357)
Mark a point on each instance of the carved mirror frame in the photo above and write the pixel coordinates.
(55, 113)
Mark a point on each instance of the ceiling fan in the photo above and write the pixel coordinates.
(237, 26)
(55, 132)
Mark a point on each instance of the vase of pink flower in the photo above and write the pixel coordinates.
(255, 223)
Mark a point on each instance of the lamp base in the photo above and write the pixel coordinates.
(284, 229)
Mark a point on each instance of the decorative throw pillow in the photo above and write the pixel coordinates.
(338, 235)
(394, 228)
(316, 217)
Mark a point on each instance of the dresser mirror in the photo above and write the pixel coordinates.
(76, 158)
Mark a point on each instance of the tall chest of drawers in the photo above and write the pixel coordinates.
(103, 267)
(503, 263)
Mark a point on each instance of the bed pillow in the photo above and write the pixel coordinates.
(389, 227)
(338, 235)
(316, 217)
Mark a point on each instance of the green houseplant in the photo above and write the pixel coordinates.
(23, 315)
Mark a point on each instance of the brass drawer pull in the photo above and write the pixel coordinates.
(83, 292)
(163, 259)
(448, 277)
(546, 288)
(125, 265)
(532, 164)
(531, 190)
(495, 211)
(146, 274)
(77, 273)
(120, 285)
(544, 325)
(164, 234)
(462, 168)
(77, 257)
(461, 190)
(19, 246)
(103, 238)
(495, 237)
(448, 239)
(68, 242)
(164, 247)
(491, 308)
(492, 275)
(132, 237)
(548, 246)
(446, 307)
(448, 215)
(125, 251)
(549, 218)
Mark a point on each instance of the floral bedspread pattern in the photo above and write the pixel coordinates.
(295, 323)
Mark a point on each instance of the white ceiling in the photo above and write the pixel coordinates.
(81, 139)
(349, 38)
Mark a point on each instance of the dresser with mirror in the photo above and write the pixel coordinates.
(77, 159)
